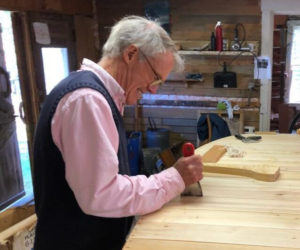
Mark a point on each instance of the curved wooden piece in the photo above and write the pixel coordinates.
(259, 172)
(255, 161)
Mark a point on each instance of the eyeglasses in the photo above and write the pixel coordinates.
(158, 81)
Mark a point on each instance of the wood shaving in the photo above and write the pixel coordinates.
(234, 152)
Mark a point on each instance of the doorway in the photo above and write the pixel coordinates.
(21, 153)
(39, 52)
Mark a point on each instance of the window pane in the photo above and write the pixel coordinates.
(295, 67)
(56, 66)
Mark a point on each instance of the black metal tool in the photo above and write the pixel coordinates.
(254, 138)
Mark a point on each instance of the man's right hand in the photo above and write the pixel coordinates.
(190, 168)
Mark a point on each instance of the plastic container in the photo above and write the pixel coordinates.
(134, 151)
(158, 138)
(150, 160)
(219, 36)
(17, 228)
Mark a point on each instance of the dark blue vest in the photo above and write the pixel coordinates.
(61, 223)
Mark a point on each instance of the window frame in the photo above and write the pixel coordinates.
(291, 24)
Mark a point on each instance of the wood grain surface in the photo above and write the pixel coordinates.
(235, 212)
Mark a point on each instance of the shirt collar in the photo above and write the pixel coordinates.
(113, 87)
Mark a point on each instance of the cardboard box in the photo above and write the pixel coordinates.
(17, 228)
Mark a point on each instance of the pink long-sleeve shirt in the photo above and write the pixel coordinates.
(84, 131)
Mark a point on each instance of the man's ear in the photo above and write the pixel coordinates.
(130, 54)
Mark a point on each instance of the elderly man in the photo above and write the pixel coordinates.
(85, 197)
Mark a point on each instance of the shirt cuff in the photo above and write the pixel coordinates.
(175, 178)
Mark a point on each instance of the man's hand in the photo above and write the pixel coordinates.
(190, 169)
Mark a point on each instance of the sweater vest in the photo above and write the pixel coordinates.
(61, 223)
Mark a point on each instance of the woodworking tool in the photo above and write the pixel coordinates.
(248, 139)
(188, 149)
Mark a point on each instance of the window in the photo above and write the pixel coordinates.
(293, 63)
(56, 66)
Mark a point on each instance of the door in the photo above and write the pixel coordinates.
(45, 48)
(11, 181)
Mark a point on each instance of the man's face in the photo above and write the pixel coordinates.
(146, 74)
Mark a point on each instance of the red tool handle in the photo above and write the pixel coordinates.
(188, 149)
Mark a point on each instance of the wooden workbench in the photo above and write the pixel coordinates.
(235, 212)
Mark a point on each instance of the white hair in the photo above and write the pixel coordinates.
(147, 35)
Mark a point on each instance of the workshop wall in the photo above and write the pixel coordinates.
(179, 102)
(58, 6)
(108, 12)
(82, 11)
(191, 25)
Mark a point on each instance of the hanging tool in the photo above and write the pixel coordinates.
(152, 124)
(188, 149)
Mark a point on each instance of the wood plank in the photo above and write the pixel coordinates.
(242, 82)
(179, 120)
(28, 222)
(180, 112)
(170, 114)
(213, 53)
(251, 115)
(13, 215)
(27, 75)
(147, 244)
(61, 6)
(85, 39)
(216, 7)
(224, 218)
(232, 203)
(226, 181)
(200, 32)
(210, 19)
(234, 210)
(214, 154)
(226, 234)
(216, 92)
(258, 172)
(257, 153)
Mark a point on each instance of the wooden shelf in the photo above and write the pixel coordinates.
(213, 53)
(184, 80)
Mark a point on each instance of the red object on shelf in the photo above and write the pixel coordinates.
(219, 37)
(188, 149)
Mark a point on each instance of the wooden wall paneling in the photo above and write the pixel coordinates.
(27, 76)
(170, 112)
(196, 20)
(207, 20)
(86, 38)
(192, 21)
(61, 6)
(109, 12)
(203, 32)
(242, 81)
(251, 115)
(216, 7)
(211, 64)
(207, 65)
(194, 91)
(62, 33)
(181, 121)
